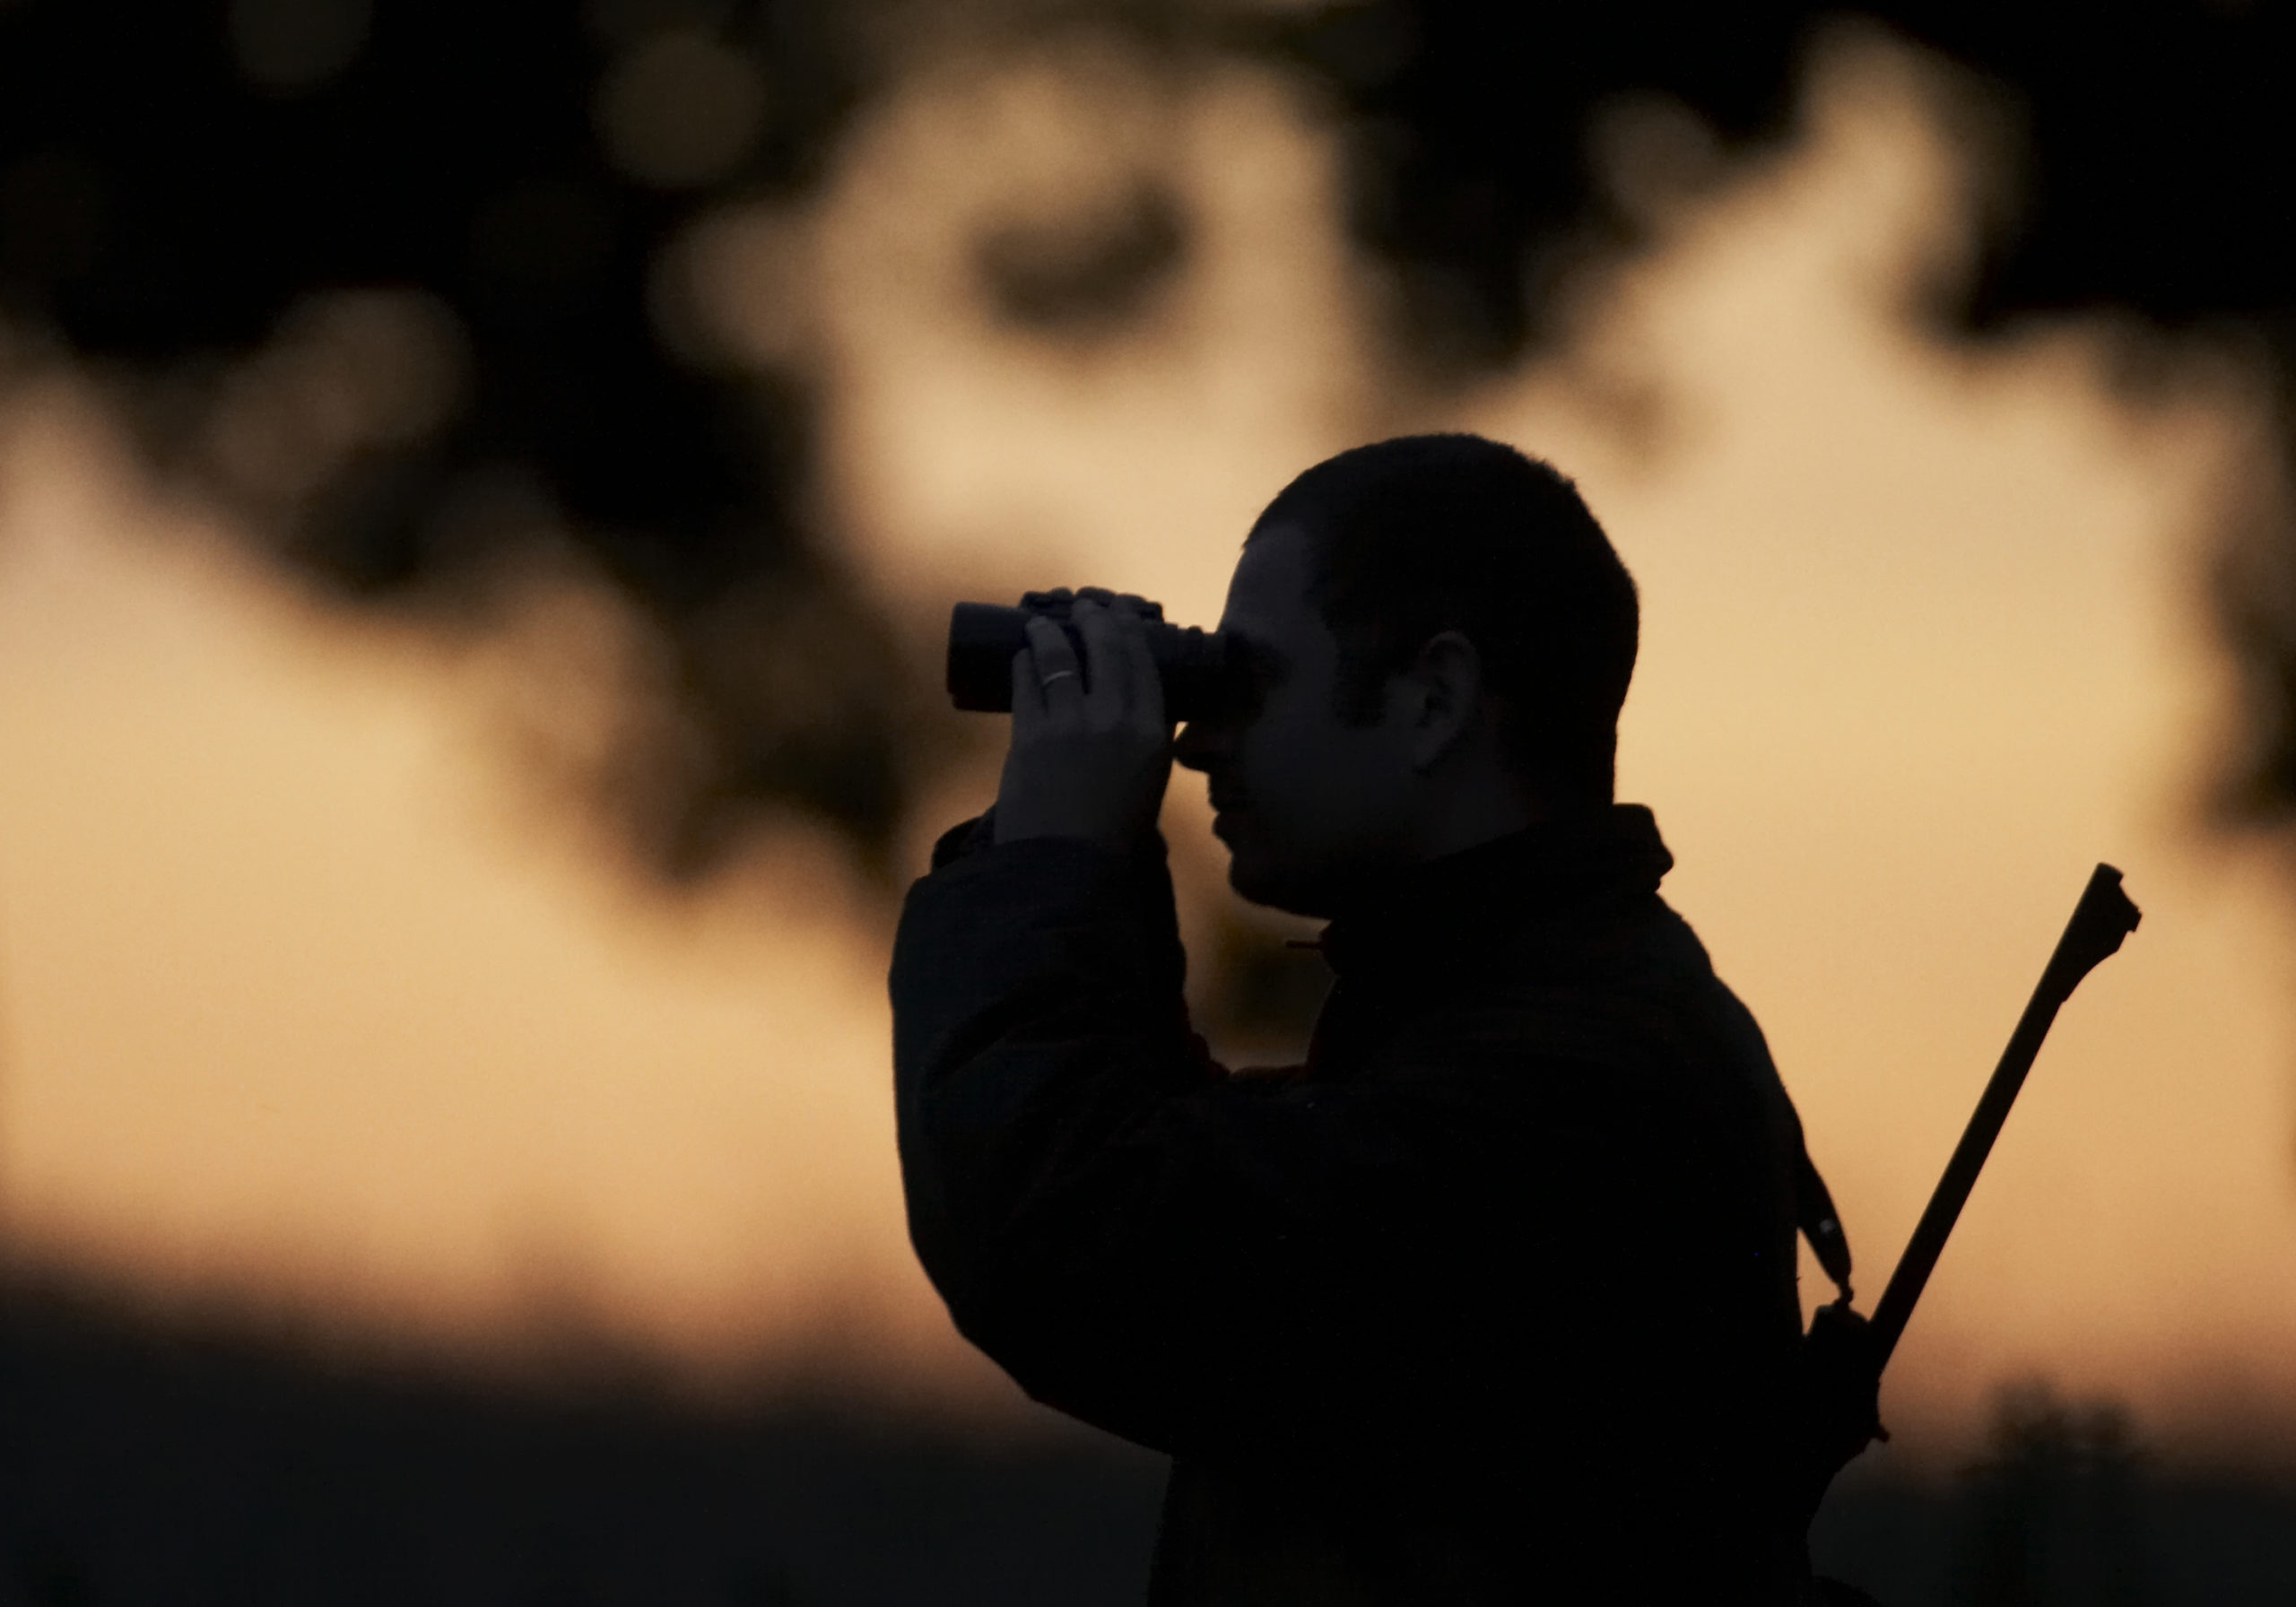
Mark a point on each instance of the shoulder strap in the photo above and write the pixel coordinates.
(1814, 1213)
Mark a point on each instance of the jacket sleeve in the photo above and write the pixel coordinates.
(1137, 1238)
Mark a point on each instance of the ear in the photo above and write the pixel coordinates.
(1444, 687)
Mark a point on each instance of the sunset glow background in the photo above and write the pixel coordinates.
(321, 996)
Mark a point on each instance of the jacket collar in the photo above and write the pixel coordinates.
(1446, 910)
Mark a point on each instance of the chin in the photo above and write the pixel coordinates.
(1256, 882)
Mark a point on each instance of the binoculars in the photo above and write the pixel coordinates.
(1193, 665)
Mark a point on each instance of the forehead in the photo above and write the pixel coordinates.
(1268, 598)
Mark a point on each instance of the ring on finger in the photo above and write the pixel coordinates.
(1045, 682)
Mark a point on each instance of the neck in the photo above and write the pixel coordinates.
(1433, 919)
(1459, 817)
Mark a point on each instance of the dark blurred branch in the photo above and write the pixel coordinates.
(176, 181)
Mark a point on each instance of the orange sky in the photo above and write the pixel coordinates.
(306, 992)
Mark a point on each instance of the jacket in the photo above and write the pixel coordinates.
(1493, 1299)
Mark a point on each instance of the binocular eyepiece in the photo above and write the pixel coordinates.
(1193, 665)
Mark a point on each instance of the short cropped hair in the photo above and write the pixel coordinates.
(1432, 533)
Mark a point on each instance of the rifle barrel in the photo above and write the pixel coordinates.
(2103, 917)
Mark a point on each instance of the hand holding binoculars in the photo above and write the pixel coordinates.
(1192, 664)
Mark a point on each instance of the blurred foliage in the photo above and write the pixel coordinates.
(218, 1460)
(175, 180)
(2054, 1509)
(152, 1464)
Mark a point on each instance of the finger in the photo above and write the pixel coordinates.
(1103, 656)
(1133, 666)
(1117, 642)
(1103, 631)
(1028, 697)
(1145, 685)
(1060, 677)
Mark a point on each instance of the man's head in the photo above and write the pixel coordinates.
(1436, 637)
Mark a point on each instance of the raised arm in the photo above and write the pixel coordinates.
(1156, 1247)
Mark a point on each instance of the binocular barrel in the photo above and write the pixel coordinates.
(983, 637)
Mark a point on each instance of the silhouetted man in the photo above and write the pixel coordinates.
(1491, 1300)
